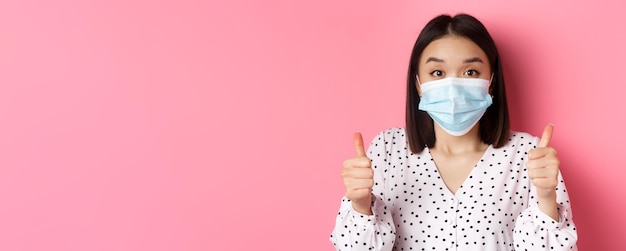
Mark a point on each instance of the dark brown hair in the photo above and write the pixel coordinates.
(494, 125)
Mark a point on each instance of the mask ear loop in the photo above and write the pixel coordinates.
(490, 81)
(418, 84)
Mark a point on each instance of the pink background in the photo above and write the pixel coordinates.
(186, 125)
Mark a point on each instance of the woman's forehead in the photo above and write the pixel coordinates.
(451, 48)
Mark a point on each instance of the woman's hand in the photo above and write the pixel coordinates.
(543, 170)
(358, 178)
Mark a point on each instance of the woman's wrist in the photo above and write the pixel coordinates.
(363, 206)
(548, 205)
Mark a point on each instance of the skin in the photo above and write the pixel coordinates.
(455, 156)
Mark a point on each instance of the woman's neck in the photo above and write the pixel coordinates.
(469, 142)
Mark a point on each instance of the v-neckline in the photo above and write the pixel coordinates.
(470, 174)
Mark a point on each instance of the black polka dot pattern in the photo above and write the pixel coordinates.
(494, 209)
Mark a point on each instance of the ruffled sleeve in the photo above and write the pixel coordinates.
(356, 231)
(534, 230)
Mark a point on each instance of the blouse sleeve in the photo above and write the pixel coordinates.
(534, 230)
(356, 231)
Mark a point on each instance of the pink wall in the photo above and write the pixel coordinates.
(181, 125)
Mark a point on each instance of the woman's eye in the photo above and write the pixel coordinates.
(471, 73)
(436, 73)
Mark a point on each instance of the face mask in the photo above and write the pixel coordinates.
(455, 104)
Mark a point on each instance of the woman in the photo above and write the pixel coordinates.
(456, 178)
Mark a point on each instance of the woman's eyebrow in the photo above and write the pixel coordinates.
(472, 60)
(434, 59)
(466, 61)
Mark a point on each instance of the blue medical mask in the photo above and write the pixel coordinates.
(455, 104)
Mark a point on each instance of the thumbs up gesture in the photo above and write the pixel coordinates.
(358, 178)
(543, 166)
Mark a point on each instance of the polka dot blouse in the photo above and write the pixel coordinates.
(494, 209)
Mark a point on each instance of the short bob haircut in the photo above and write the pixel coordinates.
(495, 123)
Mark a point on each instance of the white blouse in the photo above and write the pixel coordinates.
(494, 209)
